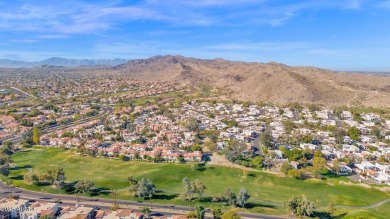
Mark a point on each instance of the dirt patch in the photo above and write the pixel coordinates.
(218, 160)
(355, 184)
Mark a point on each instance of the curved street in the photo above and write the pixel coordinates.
(102, 203)
(158, 209)
(106, 111)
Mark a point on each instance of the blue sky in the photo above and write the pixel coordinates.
(334, 34)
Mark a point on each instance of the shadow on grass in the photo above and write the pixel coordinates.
(25, 151)
(251, 174)
(251, 205)
(18, 177)
(326, 215)
(22, 167)
(100, 191)
(205, 199)
(165, 196)
(322, 215)
(329, 174)
(69, 188)
(341, 215)
(42, 184)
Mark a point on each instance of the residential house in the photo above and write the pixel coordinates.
(312, 147)
(13, 207)
(194, 156)
(39, 209)
(79, 212)
(381, 177)
(345, 170)
(350, 148)
(118, 214)
(364, 166)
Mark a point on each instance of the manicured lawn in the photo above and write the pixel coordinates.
(112, 174)
(381, 212)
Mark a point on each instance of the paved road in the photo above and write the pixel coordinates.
(107, 203)
(22, 92)
(106, 111)
(256, 144)
(256, 141)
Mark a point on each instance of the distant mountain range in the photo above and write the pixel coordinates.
(56, 61)
(247, 81)
(273, 82)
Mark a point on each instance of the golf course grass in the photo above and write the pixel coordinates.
(268, 192)
(382, 211)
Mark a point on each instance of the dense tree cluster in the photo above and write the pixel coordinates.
(266, 139)
(83, 186)
(234, 150)
(191, 188)
(141, 187)
(300, 206)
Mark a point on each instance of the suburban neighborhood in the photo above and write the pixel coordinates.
(134, 124)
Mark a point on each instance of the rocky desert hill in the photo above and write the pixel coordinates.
(266, 81)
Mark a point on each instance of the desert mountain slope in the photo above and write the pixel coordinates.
(266, 81)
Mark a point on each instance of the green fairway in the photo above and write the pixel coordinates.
(167, 177)
(373, 213)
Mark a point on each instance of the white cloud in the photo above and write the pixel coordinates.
(53, 36)
(126, 49)
(33, 55)
(263, 46)
(384, 4)
(24, 40)
(328, 52)
(282, 19)
(81, 17)
(219, 3)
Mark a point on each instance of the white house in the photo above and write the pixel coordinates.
(383, 167)
(365, 166)
(350, 148)
(346, 115)
(308, 146)
(13, 207)
(381, 177)
(279, 154)
(345, 170)
(38, 209)
(367, 139)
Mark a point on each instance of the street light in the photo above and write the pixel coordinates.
(114, 194)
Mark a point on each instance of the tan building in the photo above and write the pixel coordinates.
(11, 208)
(78, 212)
(38, 209)
(118, 214)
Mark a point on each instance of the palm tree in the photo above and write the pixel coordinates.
(200, 211)
(146, 211)
(44, 217)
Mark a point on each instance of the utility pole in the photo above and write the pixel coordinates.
(10, 184)
(114, 193)
(150, 199)
(78, 198)
(11, 195)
